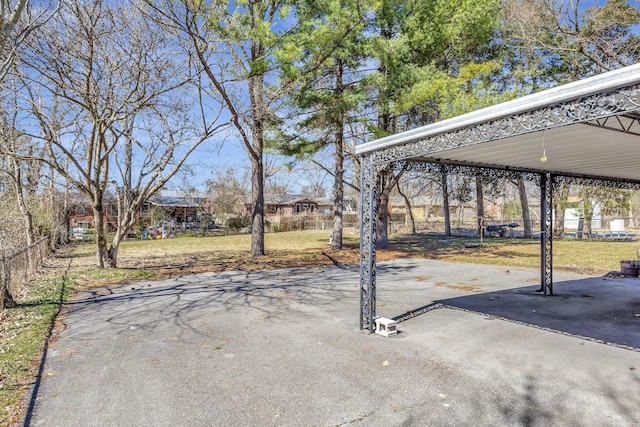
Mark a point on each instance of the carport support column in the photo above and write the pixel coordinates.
(546, 233)
(367, 243)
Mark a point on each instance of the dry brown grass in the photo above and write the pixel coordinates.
(186, 255)
(467, 287)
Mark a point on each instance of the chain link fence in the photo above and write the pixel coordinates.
(18, 267)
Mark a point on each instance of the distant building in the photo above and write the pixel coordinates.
(158, 208)
(173, 209)
(80, 212)
(291, 205)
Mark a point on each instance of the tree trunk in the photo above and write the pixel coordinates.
(6, 299)
(445, 205)
(64, 223)
(258, 109)
(338, 197)
(128, 208)
(338, 183)
(22, 205)
(588, 218)
(24, 211)
(101, 239)
(386, 184)
(128, 158)
(479, 205)
(112, 253)
(382, 217)
(387, 181)
(123, 199)
(562, 192)
(524, 203)
(121, 231)
(338, 201)
(407, 205)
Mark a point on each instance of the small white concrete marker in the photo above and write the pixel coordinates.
(385, 327)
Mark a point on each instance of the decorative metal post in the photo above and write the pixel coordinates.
(367, 243)
(546, 233)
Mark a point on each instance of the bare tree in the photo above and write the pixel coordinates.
(10, 13)
(117, 93)
(9, 224)
(417, 188)
(16, 24)
(23, 178)
(236, 46)
(24, 175)
(156, 147)
(575, 38)
(227, 192)
(408, 208)
(315, 180)
(17, 21)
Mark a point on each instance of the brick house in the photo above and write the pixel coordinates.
(290, 205)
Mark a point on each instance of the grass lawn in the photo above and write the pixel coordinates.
(23, 332)
(25, 329)
(582, 256)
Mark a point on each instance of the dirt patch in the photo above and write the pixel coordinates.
(467, 287)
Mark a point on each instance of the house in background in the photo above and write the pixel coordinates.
(325, 206)
(80, 216)
(80, 212)
(183, 213)
(166, 208)
(290, 205)
(299, 205)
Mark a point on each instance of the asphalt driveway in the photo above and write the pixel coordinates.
(477, 346)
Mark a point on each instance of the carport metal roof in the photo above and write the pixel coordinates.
(587, 131)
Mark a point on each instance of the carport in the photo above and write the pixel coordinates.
(586, 132)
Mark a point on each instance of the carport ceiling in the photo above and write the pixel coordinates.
(579, 150)
(589, 128)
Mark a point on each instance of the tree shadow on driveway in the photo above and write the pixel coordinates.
(195, 308)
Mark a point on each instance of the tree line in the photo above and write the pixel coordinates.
(113, 96)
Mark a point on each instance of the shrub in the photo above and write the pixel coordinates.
(237, 223)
